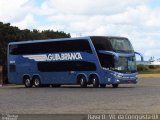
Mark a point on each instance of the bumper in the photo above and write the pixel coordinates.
(125, 81)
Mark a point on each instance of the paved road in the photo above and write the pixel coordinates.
(141, 98)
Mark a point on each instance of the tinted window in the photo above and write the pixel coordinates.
(121, 45)
(126, 64)
(51, 47)
(66, 66)
(107, 61)
(117, 44)
(101, 43)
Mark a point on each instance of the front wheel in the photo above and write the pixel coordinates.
(37, 82)
(95, 81)
(27, 82)
(115, 85)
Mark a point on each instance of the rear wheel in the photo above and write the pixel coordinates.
(95, 81)
(37, 82)
(115, 85)
(27, 82)
(83, 81)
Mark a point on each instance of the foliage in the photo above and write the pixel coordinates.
(148, 69)
(142, 68)
(154, 67)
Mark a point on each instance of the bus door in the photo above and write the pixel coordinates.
(12, 71)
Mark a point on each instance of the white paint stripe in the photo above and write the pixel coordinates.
(36, 57)
(33, 55)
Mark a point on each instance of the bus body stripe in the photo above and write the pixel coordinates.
(36, 57)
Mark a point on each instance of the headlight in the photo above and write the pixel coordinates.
(117, 75)
(114, 74)
(105, 68)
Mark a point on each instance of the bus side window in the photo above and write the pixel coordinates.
(12, 49)
(12, 68)
(106, 61)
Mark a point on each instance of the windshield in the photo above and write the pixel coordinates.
(123, 65)
(126, 65)
(121, 45)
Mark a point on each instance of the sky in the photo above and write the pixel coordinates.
(138, 20)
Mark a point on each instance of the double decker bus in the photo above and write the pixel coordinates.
(93, 60)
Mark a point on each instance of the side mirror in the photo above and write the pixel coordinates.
(139, 55)
(116, 55)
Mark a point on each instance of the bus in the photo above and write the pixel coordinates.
(94, 60)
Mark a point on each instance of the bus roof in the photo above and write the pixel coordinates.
(63, 39)
(109, 37)
(46, 40)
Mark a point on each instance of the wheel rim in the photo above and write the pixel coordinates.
(36, 82)
(82, 81)
(27, 82)
(94, 81)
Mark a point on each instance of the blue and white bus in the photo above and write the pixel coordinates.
(94, 60)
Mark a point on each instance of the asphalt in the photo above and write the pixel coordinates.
(143, 97)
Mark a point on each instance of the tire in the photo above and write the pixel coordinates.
(83, 81)
(95, 81)
(27, 82)
(115, 85)
(56, 85)
(37, 82)
(102, 85)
